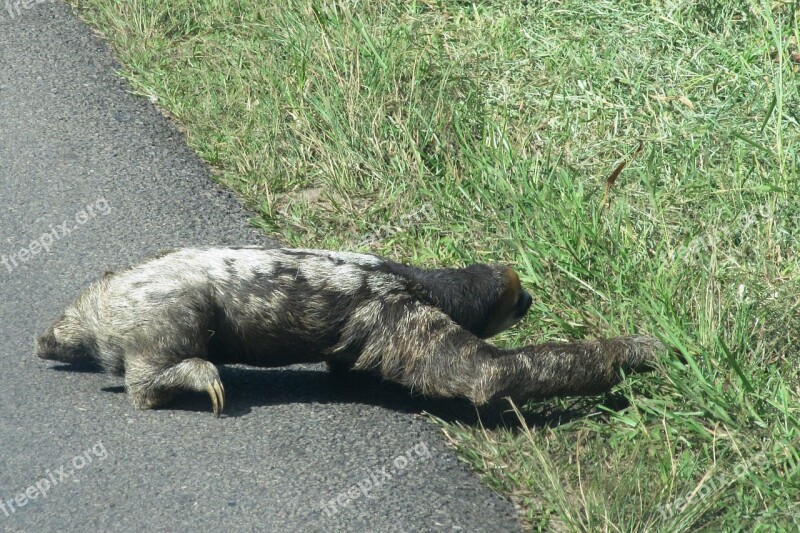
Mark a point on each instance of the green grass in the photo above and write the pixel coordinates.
(448, 132)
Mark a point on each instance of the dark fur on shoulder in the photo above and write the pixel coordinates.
(168, 322)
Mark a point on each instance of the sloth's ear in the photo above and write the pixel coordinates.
(501, 315)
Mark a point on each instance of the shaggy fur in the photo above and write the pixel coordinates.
(168, 322)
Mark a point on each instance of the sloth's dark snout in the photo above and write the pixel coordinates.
(523, 304)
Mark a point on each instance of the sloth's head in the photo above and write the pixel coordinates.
(508, 306)
(483, 299)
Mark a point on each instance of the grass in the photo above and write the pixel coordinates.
(447, 132)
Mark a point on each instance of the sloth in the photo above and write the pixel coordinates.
(166, 325)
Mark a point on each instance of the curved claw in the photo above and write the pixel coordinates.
(217, 393)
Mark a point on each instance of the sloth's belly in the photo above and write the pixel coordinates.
(270, 348)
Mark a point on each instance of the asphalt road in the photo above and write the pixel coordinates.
(93, 179)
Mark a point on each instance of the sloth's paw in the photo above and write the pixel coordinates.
(636, 353)
(217, 393)
(150, 386)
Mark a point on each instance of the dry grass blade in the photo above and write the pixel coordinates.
(612, 178)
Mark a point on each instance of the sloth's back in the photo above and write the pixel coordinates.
(257, 306)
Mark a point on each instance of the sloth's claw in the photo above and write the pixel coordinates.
(217, 393)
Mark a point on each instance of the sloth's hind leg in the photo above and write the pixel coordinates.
(150, 386)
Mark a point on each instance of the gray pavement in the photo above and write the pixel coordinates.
(93, 179)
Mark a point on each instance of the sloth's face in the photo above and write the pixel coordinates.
(521, 307)
(511, 306)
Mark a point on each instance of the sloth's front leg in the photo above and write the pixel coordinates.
(420, 347)
(571, 368)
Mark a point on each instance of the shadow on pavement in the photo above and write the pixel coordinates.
(248, 387)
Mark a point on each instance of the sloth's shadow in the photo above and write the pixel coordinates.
(247, 388)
